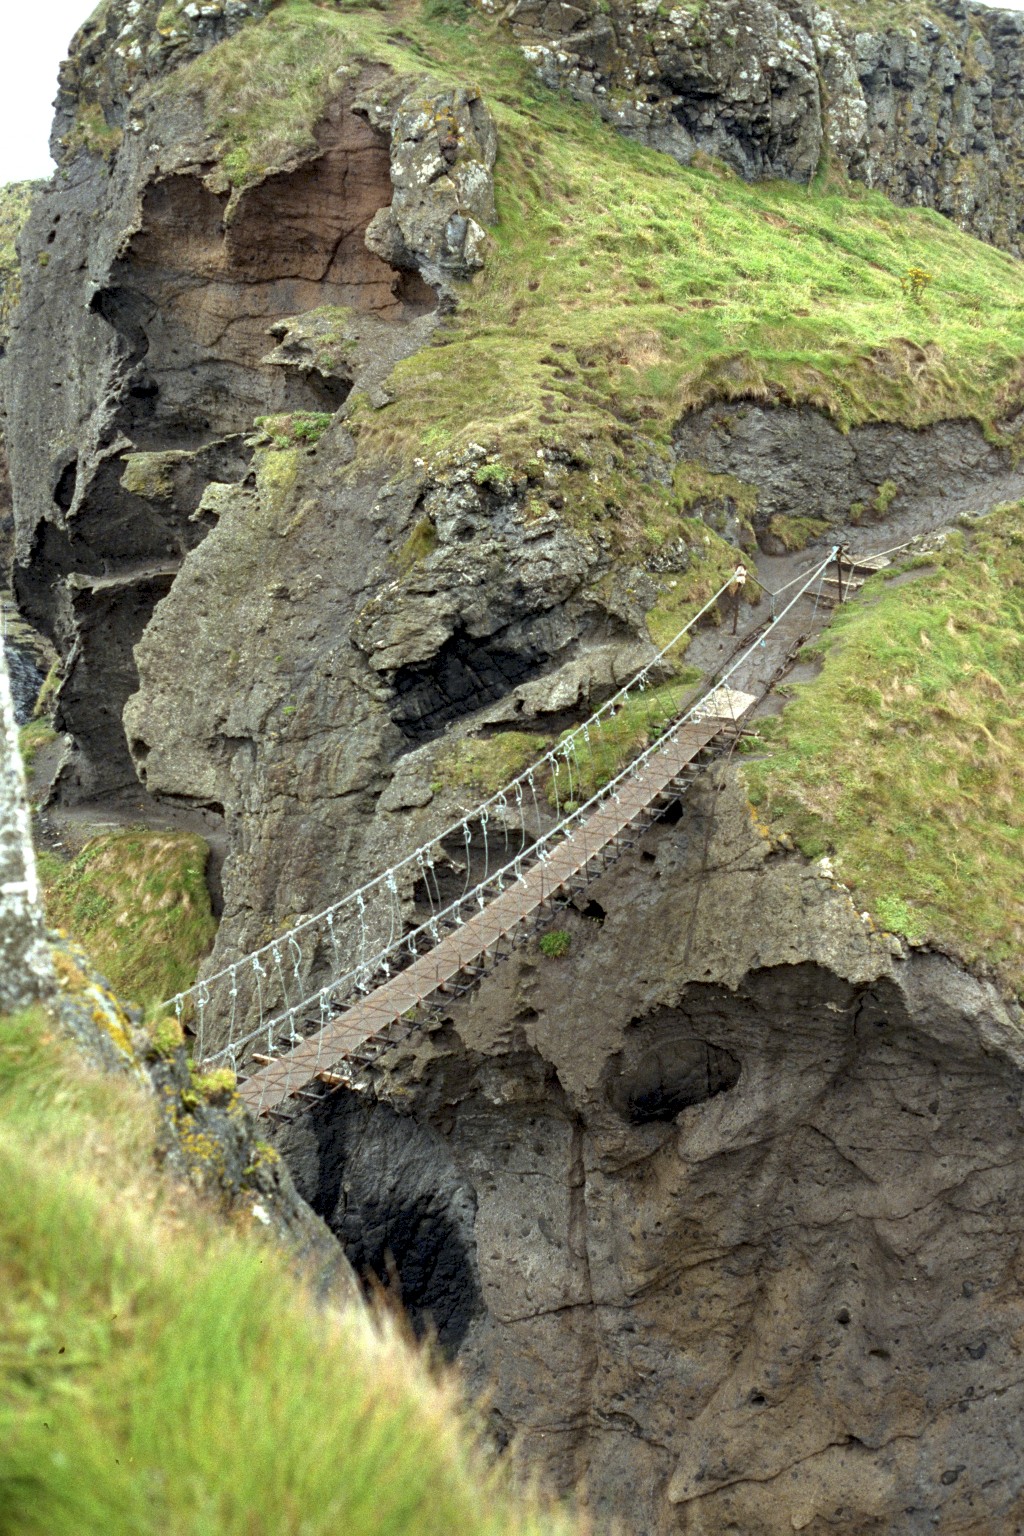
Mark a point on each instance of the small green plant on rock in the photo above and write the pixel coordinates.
(555, 944)
(796, 532)
(215, 1087)
(166, 1037)
(492, 474)
(885, 496)
(288, 428)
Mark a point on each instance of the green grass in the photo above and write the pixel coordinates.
(902, 759)
(138, 904)
(162, 1376)
(555, 944)
(32, 738)
(289, 428)
(796, 532)
(486, 765)
(617, 739)
(622, 289)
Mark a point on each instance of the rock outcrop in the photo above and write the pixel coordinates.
(25, 970)
(924, 104)
(798, 461)
(141, 388)
(718, 1205)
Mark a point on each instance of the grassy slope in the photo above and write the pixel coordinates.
(138, 903)
(622, 288)
(902, 758)
(160, 1376)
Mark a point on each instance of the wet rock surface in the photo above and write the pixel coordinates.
(734, 1186)
(925, 107)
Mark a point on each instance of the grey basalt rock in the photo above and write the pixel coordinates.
(926, 106)
(443, 148)
(802, 465)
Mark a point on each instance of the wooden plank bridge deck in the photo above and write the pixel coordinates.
(369, 1017)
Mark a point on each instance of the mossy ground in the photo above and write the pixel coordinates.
(163, 1376)
(15, 207)
(32, 738)
(902, 759)
(486, 765)
(138, 904)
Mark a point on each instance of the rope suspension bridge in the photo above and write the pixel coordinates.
(434, 922)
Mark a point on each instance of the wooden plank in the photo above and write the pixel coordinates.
(325, 1051)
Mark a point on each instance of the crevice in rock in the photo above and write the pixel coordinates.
(64, 490)
(465, 675)
(389, 1189)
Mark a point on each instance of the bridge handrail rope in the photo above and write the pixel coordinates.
(494, 801)
(359, 978)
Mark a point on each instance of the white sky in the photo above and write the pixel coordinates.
(33, 40)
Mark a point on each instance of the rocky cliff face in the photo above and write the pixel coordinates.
(719, 1206)
(137, 395)
(342, 609)
(925, 105)
(15, 205)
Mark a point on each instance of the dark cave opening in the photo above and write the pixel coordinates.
(64, 490)
(388, 1188)
(463, 676)
(664, 1071)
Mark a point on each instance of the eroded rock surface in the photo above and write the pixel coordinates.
(138, 391)
(728, 1195)
(925, 106)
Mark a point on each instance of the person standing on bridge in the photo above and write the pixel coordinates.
(736, 585)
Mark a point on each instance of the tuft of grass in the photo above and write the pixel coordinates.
(293, 427)
(902, 758)
(138, 904)
(617, 739)
(895, 915)
(487, 764)
(32, 738)
(163, 1375)
(555, 944)
(421, 542)
(91, 132)
(885, 496)
(795, 533)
